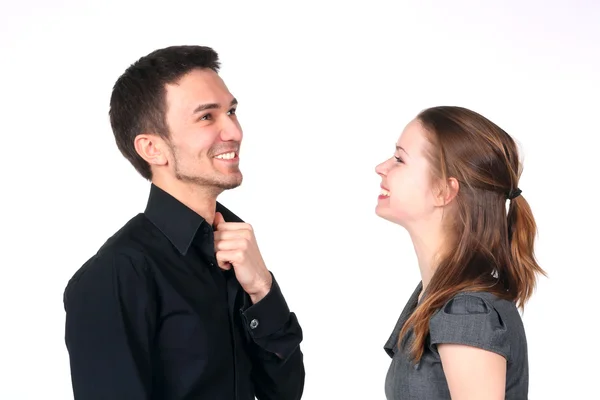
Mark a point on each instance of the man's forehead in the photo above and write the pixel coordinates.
(199, 87)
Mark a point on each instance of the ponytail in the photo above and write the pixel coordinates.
(522, 231)
(518, 268)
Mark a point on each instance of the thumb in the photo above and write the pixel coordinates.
(218, 220)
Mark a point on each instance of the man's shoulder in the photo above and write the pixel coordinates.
(122, 253)
(134, 237)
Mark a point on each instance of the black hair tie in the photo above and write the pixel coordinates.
(514, 193)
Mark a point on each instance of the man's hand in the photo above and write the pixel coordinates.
(235, 245)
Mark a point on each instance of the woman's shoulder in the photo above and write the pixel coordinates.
(467, 302)
(479, 319)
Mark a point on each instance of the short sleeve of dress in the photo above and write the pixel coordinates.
(470, 320)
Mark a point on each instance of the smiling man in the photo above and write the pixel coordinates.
(178, 304)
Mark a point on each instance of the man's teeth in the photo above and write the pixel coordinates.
(385, 192)
(226, 156)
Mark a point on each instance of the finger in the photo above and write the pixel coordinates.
(234, 244)
(224, 265)
(234, 226)
(222, 261)
(232, 235)
(229, 256)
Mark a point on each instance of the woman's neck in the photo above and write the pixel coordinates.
(428, 245)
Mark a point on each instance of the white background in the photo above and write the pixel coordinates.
(324, 89)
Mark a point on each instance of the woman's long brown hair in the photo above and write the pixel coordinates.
(486, 249)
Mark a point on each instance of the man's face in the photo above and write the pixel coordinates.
(205, 135)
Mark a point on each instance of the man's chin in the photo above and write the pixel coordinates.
(230, 185)
(223, 181)
(231, 182)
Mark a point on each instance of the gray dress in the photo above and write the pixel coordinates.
(476, 319)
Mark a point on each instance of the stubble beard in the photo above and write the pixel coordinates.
(208, 180)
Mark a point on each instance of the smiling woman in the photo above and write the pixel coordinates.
(460, 336)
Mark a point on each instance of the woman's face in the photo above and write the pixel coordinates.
(407, 195)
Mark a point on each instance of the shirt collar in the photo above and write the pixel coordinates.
(392, 343)
(176, 221)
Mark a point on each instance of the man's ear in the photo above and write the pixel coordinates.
(447, 191)
(151, 148)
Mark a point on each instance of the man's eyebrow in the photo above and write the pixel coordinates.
(212, 106)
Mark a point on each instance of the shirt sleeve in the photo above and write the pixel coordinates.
(470, 320)
(109, 324)
(278, 371)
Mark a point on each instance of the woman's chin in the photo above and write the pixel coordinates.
(381, 212)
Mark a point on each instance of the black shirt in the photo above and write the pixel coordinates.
(152, 316)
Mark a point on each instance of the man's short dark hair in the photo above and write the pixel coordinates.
(138, 100)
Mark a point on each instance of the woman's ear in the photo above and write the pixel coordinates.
(448, 190)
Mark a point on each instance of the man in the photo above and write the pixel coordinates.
(178, 304)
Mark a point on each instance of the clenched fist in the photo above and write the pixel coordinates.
(235, 246)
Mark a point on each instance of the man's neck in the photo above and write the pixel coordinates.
(200, 200)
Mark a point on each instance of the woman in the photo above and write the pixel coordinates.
(460, 336)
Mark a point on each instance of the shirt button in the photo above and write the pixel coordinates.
(253, 324)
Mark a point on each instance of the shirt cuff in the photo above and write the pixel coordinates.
(267, 316)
